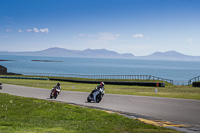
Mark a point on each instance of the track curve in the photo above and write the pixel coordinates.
(170, 109)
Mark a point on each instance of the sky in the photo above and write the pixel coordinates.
(139, 27)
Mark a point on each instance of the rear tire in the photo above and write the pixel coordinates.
(88, 99)
(51, 96)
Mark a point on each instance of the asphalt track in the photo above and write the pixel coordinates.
(181, 111)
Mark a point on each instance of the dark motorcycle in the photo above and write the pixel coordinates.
(96, 96)
(54, 93)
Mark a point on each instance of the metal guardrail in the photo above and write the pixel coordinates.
(193, 80)
(163, 79)
(139, 77)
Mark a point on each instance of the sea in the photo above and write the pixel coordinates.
(179, 71)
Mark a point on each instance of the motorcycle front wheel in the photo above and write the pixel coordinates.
(98, 98)
(55, 96)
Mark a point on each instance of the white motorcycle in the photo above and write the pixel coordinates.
(96, 96)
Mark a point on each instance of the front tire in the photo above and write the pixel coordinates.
(98, 98)
(55, 96)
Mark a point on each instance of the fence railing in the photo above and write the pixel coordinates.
(193, 80)
(139, 77)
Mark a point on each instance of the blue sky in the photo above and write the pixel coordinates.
(140, 27)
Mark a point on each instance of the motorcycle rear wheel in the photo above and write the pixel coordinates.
(88, 99)
(51, 96)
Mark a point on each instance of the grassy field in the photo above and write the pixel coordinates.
(171, 91)
(24, 115)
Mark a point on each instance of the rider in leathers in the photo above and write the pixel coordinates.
(97, 88)
(57, 86)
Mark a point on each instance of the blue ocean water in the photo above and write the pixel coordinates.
(175, 70)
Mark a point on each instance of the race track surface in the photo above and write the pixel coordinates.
(170, 109)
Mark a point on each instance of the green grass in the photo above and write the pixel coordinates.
(171, 91)
(29, 115)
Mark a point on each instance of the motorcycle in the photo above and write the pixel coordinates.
(96, 96)
(54, 93)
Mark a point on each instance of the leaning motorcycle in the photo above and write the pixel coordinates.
(54, 93)
(96, 96)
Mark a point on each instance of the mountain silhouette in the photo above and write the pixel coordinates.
(103, 53)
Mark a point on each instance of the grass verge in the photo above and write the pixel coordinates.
(20, 114)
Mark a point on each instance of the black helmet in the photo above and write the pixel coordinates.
(58, 84)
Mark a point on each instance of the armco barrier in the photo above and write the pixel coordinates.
(89, 76)
(18, 77)
(152, 84)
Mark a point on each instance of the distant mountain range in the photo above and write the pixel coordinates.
(170, 55)
(61, 52)
(103, 53)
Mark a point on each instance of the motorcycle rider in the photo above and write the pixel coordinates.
(57, 86)
(97, 88)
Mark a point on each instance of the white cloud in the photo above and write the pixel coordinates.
(138, 36)
(9, 30)
(20, 30)
(189, 40)
(36, 30)
(46, 30)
